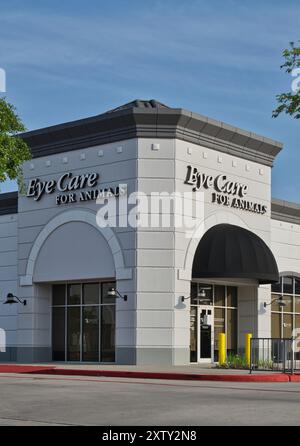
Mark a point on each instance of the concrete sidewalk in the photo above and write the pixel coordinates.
(190, 368)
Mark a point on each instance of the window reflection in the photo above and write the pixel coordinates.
(285, 319)
(90, 333)
(105, 298)
(108, 333)
(58, 334)
(288, 285)
(59, 295)
(83, 324)
(90, 293)
(73, 337)
(74, 294)
(220, 296)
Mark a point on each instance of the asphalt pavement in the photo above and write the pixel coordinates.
(36, 400)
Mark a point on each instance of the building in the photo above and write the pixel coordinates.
(183, 287)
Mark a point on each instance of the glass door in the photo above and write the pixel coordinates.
(205, 332)
(201, 333)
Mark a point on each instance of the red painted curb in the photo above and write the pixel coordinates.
(294, 378)
(168, 376)
(13, 368)
(48, 370)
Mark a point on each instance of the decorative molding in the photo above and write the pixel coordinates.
(290, 274)
(136, 120)
(155, 146)
(285, 211)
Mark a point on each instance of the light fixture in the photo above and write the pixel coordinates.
(201, 296)
(279, 300)
(112, 292)
(10, 299)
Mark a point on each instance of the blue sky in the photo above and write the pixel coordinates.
(67, 60)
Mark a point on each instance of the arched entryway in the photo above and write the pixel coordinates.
(71, 266)
(229, 264)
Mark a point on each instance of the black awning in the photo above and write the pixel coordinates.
(228, 251)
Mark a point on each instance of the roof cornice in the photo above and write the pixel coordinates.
(152, 122)
(9, 203)
(285, 211)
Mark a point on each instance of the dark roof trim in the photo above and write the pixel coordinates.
(285, 211)
(151, 119)
(9, 203)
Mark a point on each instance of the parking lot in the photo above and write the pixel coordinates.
(40, 400)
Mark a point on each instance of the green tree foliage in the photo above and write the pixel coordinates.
(289, 103)
(13, 150)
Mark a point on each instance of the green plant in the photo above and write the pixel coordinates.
(289, 102)
(265, 364)
(235, 361)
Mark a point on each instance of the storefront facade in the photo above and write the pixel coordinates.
(183, 286)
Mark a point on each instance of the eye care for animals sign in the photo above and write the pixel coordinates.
(72, 188)
(226, 192)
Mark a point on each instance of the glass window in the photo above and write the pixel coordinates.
(276, 287)
(74, 294)
(297, 286)
(194, 290)
(297, 335)
(81, 325)
(297, 322)
(73, 336)
(219, 324)
(105, 299)
(59, 294)
(207, 290)
(108, 315)
(288, 285)
(274, 299)
(219, 327)
(219, 296)
(58, 334)
(287, 325)
(297, 304)
(276, 325)
(282, 321)
(288, 300)
(231, 296)
(231, 330)
(90, 293)
(193, 335)
(90, 333)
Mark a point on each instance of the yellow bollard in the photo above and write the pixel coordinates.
(248, 337)
(222, 348)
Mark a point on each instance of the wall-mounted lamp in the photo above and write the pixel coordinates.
(112, 292)
(10, 299)
(279, 300)
(201, 296)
